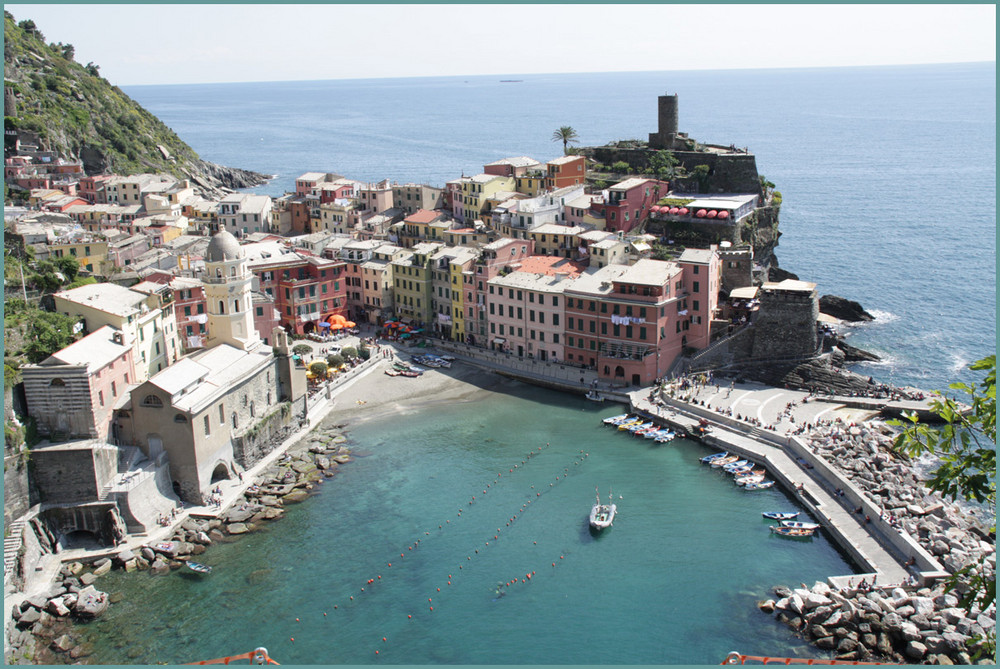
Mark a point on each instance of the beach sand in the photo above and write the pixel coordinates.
(377, 395)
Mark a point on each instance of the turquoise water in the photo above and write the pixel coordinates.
(673, 581)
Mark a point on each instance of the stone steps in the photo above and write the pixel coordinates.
(11, 545)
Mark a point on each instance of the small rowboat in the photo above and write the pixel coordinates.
(669, 436)
(796, 532)
(752, 478)
(642, 428)
(735, 466)
(635, 423)
(713, 458)
(722, 462)
(800, 525)
(199, 568)
(780, 515)
(763, 485)
(610, 420)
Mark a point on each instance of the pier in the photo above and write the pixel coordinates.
(880, 550)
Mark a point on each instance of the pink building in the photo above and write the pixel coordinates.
(493, 258)
(629, 202)
(511, 167)
(703, 280)
(631, 322)
(266, 316)
(526, 308)
(375, 197)
(189, 307)
(72, 393)
(92, 188)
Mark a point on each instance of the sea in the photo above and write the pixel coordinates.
(888, 179)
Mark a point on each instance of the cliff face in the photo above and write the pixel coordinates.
(78, 114)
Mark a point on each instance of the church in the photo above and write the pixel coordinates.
(217, 412)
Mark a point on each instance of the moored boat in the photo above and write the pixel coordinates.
(799, 524)
(796, 532)
(198, 567)
(722, 462)
(602, 515)
(735, 466)
(594, 396)
(780, 515)
(632, 422)
(669, 436)
(763, 485)
(714, 457)
(752, 478)
(611, 419)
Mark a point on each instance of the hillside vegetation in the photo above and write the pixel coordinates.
(79, 114)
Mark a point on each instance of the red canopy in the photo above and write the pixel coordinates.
(701, 213)
(712, 213)
(674, 210)
(682, 211)
(723, 214)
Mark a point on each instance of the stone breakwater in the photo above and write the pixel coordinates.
(894, 623)
(44, 632)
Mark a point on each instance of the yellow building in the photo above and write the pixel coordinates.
(411, 278)
(460, 271)
(90, 252)
(531, 183)
(146, 320)
(476, 190)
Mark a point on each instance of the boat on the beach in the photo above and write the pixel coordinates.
(796, 532)
(800, 525)
(392, 372)
(712, 458)
(198, 567)
(409, 373)
(602, 515)
(611, 419)
(763, 485)
(780, 515)
(594, 396)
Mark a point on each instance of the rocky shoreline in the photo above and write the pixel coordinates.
(896, 623)
(44, 631)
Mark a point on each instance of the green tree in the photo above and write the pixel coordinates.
(302, 349)
(335, 360)
(620, 167)
(349, 352)
(49, 332)
(567, 135)
(319, 368)
(364, 352)
(964, 444)
(69, 266)
(663, 164)
(701, 174)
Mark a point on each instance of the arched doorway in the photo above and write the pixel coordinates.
(619, 372)
(220, 473)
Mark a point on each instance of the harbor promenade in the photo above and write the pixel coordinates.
(760, 423)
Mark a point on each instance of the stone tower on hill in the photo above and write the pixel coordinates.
(227, 295)
(666, 135)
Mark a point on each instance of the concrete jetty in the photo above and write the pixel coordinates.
(880, 550)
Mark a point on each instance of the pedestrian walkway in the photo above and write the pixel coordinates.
(811, 485)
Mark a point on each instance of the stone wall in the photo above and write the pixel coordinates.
(16, 495)
(728, 172)
(785, 325)
(94, 518)
(73, 474)
(250, 447)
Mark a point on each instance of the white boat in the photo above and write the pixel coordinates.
(763, 485)
(602, 515)
(712, 458)
(733, 466)
(669, 436)
(610, 420)
(752, 478)
(800, 525)
(594, 396)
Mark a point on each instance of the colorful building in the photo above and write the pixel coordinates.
(411, 279)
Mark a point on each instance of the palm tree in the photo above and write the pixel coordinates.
(566, 135)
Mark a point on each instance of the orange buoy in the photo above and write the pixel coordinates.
(432, 608)
(383, 639)
(449, 582)
(352, 598)
(409, 616)
(324, 614)
(390, 564)
(553, 564)
(380, 576)
(334, 606)
(428, 599)
(560, 557)
(362, 589)
(292, 638)
(376, 652)
(439, 589)
(296, 620)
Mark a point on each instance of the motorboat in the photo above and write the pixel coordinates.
(780, 515)
(795, 532)
(763, 485)
(602, 515)
(594, 396)
(800, 525)
(611, 419)
(722, 462)
(752, 478)
(714, 457)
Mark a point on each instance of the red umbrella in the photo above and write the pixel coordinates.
(712, 213)
(701, 213)
(723, 214)
(674, 210)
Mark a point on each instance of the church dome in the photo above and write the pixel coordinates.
(223, 247)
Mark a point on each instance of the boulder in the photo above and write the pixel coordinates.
(322, 462)
(202, 538)
(125, 555)
(813, 600)
(825, 643)
(74, 568)
(915, 650)
(295, 496)
(28, 617)
(148, 553)
(940, 659)
(62, 644)
(91, 603)
(215, 535)
(159, 567)
(57, 607)
(237, 528)
(909, 632)
(846, 645)
(922, 605)
(102, 566)
(766, 605)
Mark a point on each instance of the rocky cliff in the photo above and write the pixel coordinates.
(70, 110)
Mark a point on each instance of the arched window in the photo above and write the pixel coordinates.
(57, 382)
(152, 401)
(222, 306)
(235, 423)
(180, 418)
(232, 271)
(252, 414)
(236, 306)
(218, 272)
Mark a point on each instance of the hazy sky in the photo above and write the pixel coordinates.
(168, 44)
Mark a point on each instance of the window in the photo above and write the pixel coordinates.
(100, 397)
(187, 311)
(695, 269)
(222, 306)
(59, 383)
(222, 414)
(152, 401)
(208, 428)
(114, 389)
(694, 305)
(180, 418)
(695, 288)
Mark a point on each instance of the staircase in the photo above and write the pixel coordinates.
(11, 545)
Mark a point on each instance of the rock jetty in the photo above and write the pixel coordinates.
(899, 623)
(44, 631)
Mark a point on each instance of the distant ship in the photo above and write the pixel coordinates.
(511, 81)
